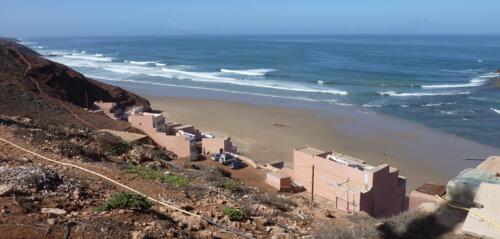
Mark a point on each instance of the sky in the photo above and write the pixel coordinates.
(27, 18)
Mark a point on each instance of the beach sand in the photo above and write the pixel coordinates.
(267, 133)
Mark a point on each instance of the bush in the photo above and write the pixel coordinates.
(232, 185)
(112, 145)
(159, 155)
(149, 173)
(235, 214)
(125, 200)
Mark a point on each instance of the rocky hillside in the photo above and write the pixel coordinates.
(33, 86)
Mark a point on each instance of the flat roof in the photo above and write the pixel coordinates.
(125, 136)
(310, 150)
(491, 164)
(432, 189)
(153, 114)
(183, 126)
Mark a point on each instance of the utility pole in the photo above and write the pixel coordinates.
(312, 187)
(87, 100)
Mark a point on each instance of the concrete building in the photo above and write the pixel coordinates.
(424, 194)
(153, 124)
(279, 180)
(351, 183)
(218, 144)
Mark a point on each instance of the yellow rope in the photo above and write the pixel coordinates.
(124, 186)
(469, 210)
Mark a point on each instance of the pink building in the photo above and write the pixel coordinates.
(153, 124)
(349, 182)
(218, 145)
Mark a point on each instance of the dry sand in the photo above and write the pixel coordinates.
(268, 134)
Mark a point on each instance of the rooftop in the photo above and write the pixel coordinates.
(309, 150)
(491, 164)
(432, 189)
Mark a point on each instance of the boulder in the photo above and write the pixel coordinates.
(55, 211)
(6, 189)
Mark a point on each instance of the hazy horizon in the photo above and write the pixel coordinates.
(223, 17)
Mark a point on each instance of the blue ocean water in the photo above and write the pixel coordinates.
(445, 82)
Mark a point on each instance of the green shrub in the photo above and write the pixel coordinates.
(112, 145)
(159, 155)
(232, 185)
(125, 200)
(149, 173)
(235, 214)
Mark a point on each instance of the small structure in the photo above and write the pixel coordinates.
(479, 189)
(218, 144)
(351, 183)
(425, 193)
(153, 124)
(126, 136)
(488, 197)
(279, 180)
(110, 109)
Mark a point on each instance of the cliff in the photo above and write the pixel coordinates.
(33, 86)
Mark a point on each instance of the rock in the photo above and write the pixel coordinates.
(6, 189)
(138, 235)
(55, 211)
(51, 221)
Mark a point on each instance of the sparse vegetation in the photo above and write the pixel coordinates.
(149, 173)
(125, 200)
(112, 145)
(235, 214)
(232, 185)
(158, 154)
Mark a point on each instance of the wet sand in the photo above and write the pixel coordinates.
(268, 134)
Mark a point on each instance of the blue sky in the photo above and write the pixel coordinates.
(154, 17)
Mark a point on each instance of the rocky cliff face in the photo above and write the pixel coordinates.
(32, 85)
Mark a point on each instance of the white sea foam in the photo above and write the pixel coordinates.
(432, 104)
(490, 75)
(448, 112)
(472, 83)
(372, 106)
(320, 82)
(495, 110)
(418, 94)
(83, 56)
(249, 72)
(142, 62)
(215, 78)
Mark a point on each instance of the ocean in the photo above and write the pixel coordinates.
(448, 83)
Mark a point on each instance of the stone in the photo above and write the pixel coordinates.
(51, 221)
(55, 211)
(6, 189)
(138, 235)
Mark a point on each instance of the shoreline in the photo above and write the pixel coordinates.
(266, 129)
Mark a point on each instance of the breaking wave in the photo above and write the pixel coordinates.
(250, 72)
(418, 94)
(495, 110)
(472, 83)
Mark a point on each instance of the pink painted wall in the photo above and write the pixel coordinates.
(150, 124)
(213, 145)
(377, 191)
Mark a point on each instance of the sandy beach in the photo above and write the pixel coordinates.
(267, 133)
